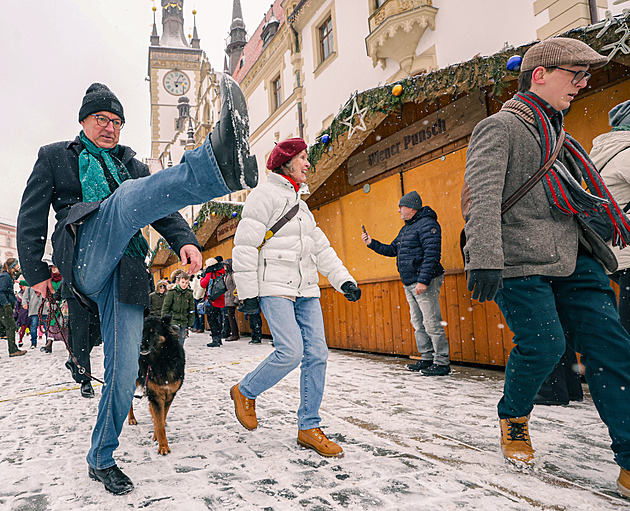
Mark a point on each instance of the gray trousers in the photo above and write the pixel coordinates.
(426, 319)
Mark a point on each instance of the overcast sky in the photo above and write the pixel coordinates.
(52, 50)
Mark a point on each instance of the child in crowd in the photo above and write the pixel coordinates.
(180, 304)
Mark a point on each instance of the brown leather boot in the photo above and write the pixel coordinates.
(245, 409)
(623, 483)
(315, 439)
(515, 442)
(17, 353)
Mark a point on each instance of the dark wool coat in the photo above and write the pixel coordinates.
(55, 181)
(418, 248)
(181, 305)
(7, 296)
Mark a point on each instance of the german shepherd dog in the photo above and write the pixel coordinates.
(160, 372)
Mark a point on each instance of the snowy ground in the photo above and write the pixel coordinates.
(411, 442)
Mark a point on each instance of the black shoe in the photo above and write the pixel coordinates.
(420, 364)
(230, 138)
(436, 370)
(113, 478)
(86, 389)
(255, 341)
(214, 344)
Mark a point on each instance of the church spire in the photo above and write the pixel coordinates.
(155, 39)
(237, 37)
(173, 24)
(194, 43)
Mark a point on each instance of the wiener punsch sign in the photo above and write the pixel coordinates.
(453, 122)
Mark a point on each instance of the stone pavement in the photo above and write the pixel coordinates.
(411, 442)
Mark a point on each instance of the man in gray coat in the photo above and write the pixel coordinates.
(539, 260)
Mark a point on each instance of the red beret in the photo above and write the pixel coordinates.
(284, 151)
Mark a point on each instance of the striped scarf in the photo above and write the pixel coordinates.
(564, 192)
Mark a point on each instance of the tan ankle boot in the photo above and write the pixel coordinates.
(515, 442)
(623, 483)
(245, 409)
(315, 439)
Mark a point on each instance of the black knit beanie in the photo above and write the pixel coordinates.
(98, 98)
(411, 200)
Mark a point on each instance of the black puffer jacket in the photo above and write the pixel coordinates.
(417, 248)
(7, 296)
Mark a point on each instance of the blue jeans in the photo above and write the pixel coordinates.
(546, 312)
(426, 319)
(298, 335)
(33, 328)
(101, 242)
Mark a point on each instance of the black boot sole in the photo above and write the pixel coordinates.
(230, 140)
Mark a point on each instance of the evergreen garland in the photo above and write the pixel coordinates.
(455, 80)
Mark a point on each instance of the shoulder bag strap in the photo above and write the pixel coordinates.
(529, 184)
(286, 218)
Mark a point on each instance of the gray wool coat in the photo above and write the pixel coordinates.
(531, 238)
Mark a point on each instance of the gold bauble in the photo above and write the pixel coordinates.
(397, 90)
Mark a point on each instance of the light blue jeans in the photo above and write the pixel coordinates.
(426, 319)
(298, 336)
(101, 242)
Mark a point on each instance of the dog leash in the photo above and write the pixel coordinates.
(54, 312)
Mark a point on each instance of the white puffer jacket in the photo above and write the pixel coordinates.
(611, 156)
(287, 264)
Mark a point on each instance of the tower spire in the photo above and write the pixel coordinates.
(237, 38)
(155, 39)
(194, 43)
(173, 24)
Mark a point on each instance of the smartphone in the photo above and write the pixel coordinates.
(363, 228)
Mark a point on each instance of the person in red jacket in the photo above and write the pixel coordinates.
(214, 308)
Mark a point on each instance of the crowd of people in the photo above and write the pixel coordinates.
(528, 244)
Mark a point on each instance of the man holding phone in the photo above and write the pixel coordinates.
(418, 249)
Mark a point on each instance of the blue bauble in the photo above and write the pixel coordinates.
(514, 63)
(234, 213)
(325, 138)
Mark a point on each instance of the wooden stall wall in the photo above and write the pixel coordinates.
(380, 322)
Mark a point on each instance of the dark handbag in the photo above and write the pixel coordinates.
(217, 288)
(600, 222)
(602, 225)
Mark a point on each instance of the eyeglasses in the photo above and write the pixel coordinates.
(103, 121)
(578, 75)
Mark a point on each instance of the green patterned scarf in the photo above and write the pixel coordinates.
(100, 173)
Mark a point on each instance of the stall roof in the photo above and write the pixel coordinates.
(609, 37)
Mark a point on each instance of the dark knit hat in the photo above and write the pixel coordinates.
(620, 115)
(411, 200)
(284, 151)
(561, 51)
(98, 98)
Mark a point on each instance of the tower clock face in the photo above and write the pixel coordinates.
(176, 83)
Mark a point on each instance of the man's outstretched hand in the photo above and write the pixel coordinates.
(191, 257)
(43, 286)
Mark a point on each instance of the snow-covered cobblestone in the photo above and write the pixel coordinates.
(411, 442)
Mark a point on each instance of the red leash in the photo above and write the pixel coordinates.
(54, 312)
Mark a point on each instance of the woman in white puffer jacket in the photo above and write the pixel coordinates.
(611, 156)
(281, 277)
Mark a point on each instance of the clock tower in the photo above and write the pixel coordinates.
(174, 74)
